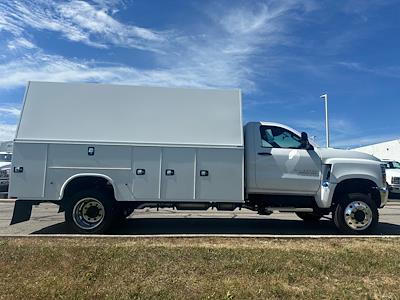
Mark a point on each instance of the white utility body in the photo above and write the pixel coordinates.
(101, 151)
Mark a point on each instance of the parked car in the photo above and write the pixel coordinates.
(5, 167)
(393, 177)
(101, 151)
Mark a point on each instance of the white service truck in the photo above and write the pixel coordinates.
(102, 151)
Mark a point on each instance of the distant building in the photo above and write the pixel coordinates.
(6, 146)
(385, 150)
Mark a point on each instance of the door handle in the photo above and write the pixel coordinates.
(264, 153)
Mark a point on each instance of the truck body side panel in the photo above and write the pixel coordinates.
(137, 173)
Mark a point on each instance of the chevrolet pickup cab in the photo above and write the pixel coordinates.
(102, 151)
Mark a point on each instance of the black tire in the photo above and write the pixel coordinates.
(356, 202)
(76, 216)
(310, 217)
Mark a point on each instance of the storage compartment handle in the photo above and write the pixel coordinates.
(203, 172)
(18, 169)
(140, 171)
(169, 172)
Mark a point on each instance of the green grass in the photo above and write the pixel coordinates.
(206, 268)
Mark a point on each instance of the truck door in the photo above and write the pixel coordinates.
(282, 167)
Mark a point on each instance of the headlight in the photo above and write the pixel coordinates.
(395, 180)
(383, 170)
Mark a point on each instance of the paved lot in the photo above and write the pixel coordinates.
(46, 220)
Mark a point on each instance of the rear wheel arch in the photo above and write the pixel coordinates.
(86, 181)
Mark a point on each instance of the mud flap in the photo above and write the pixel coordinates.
(61, 209)
(22, 211)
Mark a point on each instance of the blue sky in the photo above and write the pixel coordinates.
(282, 54)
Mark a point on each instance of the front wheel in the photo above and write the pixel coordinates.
(356, 214)
(89, 211)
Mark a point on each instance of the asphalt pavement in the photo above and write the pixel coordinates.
(46, 220)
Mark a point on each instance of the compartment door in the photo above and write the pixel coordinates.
(28, 184)
(178, 178)
(146, 172)
(224, 175)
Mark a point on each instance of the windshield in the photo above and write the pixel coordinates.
(5, 157)
(392, 165)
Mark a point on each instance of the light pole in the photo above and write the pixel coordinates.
(325, 97)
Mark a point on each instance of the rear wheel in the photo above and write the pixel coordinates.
(309, 216)
(89, 211)
(356, 214)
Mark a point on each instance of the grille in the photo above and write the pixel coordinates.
(4, 174)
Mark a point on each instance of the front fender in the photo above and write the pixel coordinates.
(356, 169)
(344, 169)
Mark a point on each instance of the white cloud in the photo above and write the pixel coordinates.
(77, 21)
(20, 43)
(7, 132)
(218, 58)
(43, 67)
(238, 48)
(10, 111)
(8, 117)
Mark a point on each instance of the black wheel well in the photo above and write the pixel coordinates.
(356, 185)
(87, 182)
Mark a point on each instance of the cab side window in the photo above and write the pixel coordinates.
(277, 137)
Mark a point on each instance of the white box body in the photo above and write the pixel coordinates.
(130, 128)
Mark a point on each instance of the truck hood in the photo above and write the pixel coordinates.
(330, 153)
(5, 164)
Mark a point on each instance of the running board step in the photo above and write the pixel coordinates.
(289, 209)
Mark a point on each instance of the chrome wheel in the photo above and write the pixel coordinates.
(358, 215)
(88, 213)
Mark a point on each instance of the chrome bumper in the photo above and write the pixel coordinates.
(394, 188)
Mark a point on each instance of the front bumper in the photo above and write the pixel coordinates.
(4, 185)
(394, 189)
